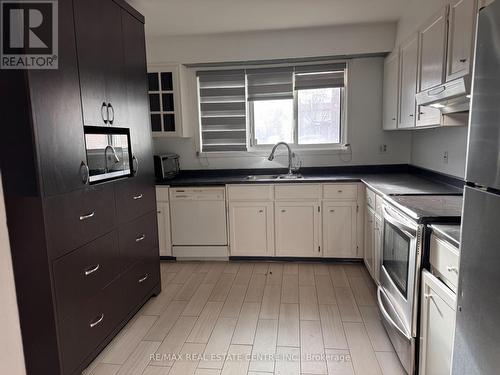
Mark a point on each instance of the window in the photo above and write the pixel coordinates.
(302, 105)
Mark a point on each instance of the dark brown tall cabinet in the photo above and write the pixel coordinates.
(85, 256)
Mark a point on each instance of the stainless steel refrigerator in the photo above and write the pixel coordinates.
(477, 332)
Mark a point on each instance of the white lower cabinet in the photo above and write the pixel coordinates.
(377, 249)
(251, 228)
(437, 326)
(297, 228)
(164, 240)
(369, 255)
(339, 229)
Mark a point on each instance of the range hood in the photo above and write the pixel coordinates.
(450, 97)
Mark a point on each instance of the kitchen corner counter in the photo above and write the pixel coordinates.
(449, 233)
(383, 183)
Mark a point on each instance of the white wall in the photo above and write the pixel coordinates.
(364, 130)
(11, 348)
(429, 145)
(281, 44)
(365, 91)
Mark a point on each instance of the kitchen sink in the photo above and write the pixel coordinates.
(273, 177)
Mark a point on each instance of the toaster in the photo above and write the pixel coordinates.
(166, 166)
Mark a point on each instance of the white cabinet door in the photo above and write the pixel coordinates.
(251, 228)
(339, 229)
(432, 52)
(437, 326)
(164, 239)
(431, 63)
(377, 249)
(408, 73)
(391, 91)
(461, 32)
(297, 229)
(369, 240)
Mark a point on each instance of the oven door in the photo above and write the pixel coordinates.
(398, 264)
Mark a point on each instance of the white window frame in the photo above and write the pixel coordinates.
(252, 146)
(263, 150)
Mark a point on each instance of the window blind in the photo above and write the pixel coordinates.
(320, 76)
(222, 110)
(270, 83)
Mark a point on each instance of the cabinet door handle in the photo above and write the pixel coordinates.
(90, 271)
(261, 211)
(135, 165)
(87, 216)
(112, 111)
(332, 210)
(85, 173)
(394, 119)
(452, 269)
(104, 113)
(141, 280)
(97, 321)
(429, 296)
(137, 197)
(140, 238)
(283, 210)
(462, 60)
(410, 115)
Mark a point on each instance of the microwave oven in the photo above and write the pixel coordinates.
(166, 166)
(109, 154)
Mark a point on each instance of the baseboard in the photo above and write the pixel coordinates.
(298, 259)
(200, 252)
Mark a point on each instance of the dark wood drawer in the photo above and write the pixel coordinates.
(134, 197)
(139, 239)
(81, 274)
(80, 334)
(77, 218)
(140, 280)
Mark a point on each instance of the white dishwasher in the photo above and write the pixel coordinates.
(198, 222)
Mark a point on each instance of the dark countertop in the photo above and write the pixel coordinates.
(449, 233)
(383, 183)
(430, 208)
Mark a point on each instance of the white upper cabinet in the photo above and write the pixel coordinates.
(339, 229)
(408, 85)
(391, 91)
(462, 20)
(431, 63)
(166, 95)
(297, 228)
(432, 39)
(251, 228)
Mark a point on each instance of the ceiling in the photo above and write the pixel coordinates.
(189, 17)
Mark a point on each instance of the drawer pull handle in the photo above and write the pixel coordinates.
(339, 191)
(87, 216)
(141, 280)
(99, 320)
(92, 270)
(140, 238)
(261, 211)
(136, 197)
(332, 210)
(452, 269)
(283, 210)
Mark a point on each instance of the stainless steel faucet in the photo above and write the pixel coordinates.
(116, 159)
(290, 156)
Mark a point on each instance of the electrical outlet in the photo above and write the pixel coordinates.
(382, 149)
(445, 157)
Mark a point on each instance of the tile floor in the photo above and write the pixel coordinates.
(255, 318)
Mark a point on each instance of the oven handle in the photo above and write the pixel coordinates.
(387, 317)
(405, 228)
